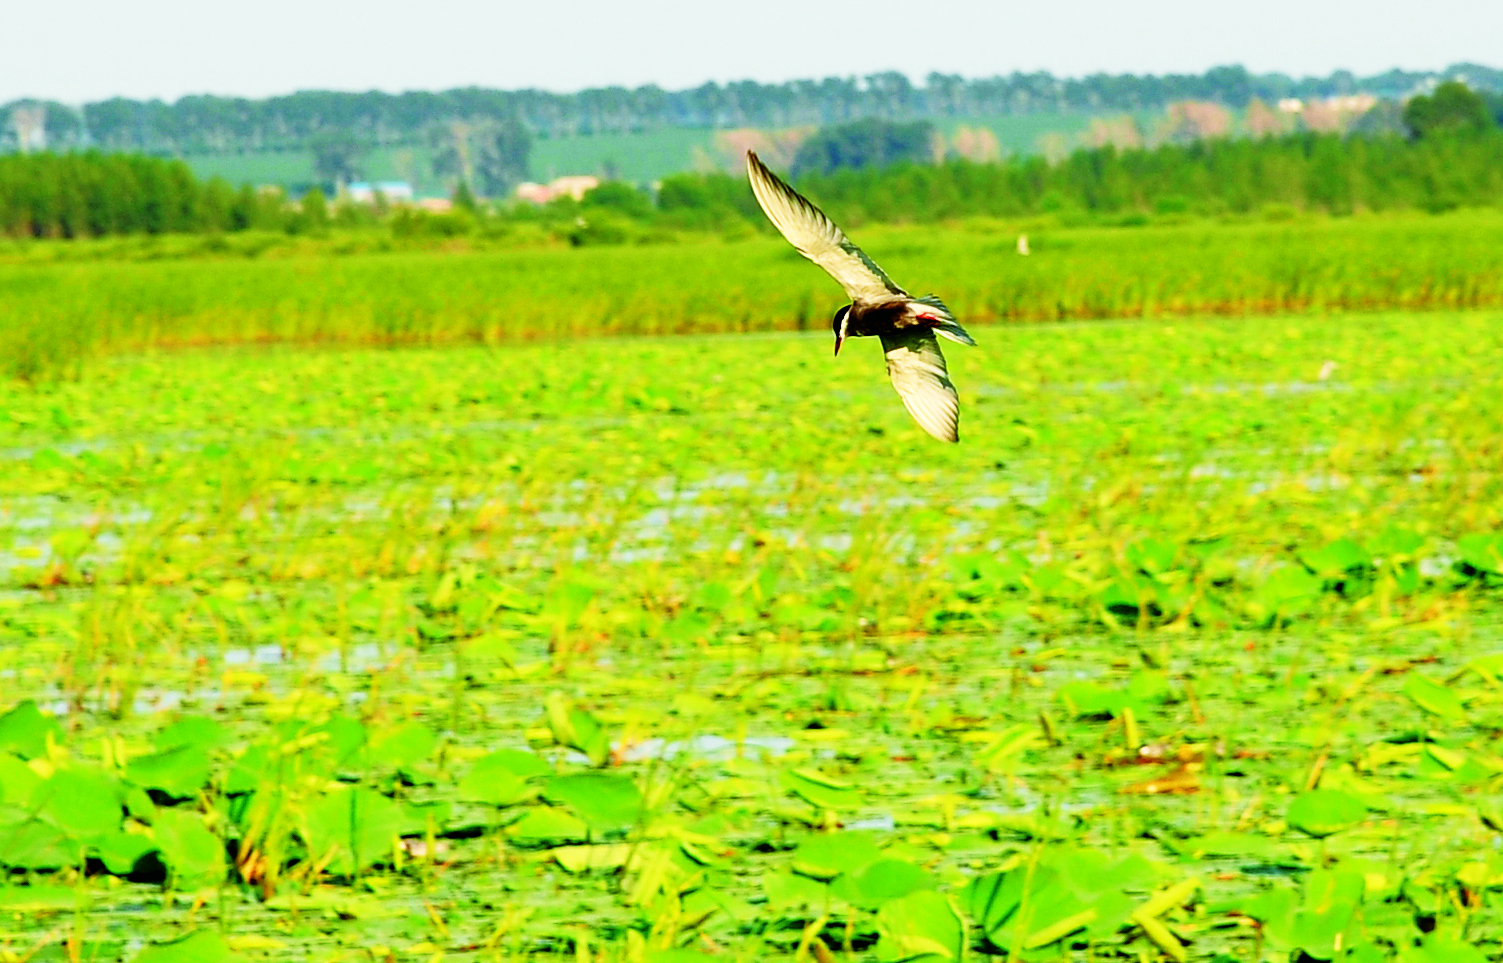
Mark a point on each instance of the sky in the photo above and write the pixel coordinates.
(84, 50)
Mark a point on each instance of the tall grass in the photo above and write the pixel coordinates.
(53, 316)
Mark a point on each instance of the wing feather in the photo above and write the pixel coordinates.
(815, 236)
(918, 372)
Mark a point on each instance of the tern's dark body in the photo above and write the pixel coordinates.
(874, 319)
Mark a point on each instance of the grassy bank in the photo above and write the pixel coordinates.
(58, 314)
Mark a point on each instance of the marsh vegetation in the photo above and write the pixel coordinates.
(681, 647)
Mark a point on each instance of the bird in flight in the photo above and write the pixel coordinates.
(907, 325)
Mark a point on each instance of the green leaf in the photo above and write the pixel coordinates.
(713, 596)
(1288, 590)
(1397, 543)
(606, 802)
(356, 827)
(501, 778)
(1153, 556)
(1331, 899)
(991, 900)
(83, 802)
(255, 766)
(1129, 593)
(139, 805)
(922, 927)
(1433, 697)
(121, 851)
(346, 739)
(886, 879)
(1337, 559)
(1085, 698)
(1365, 952)
(1091, 872)
(200, 946)
(24, 730)
(827, 856)
(1442, 949)
(50, 459)
(578, 730)
(1071, 888)
(786, 890)
(18, 781)
(567, 602)
(1490, 666)
(193, 854)
(578, 859)
(401, 747)
(1322, 922)
(548, 824)
(1322, 812)
(179, 772)
(35, 844)
(818, 791)
(1483, 551)
(197, 731)
(1230, 844)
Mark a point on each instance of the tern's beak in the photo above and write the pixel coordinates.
(839, 340)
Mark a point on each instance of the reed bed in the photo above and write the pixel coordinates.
(56, 315)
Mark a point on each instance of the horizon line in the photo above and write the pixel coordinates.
(920, 83)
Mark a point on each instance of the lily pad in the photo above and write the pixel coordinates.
(25, 731)
(606, 802)
(548, 824)
(921, 927)
(180, 772)
(1433, 697)
(827, 856)
(1324, 812)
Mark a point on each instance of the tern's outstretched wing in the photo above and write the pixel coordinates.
(817, 238)
(917, 368)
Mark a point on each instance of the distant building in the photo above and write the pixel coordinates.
(1345, 104)
(536, 193)
(396, 192)
(575, 186)
(436, 205)
(1353, 103)
(30, 124)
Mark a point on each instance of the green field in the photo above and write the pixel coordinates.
(294, 169)
(638, 158)
(683, 648)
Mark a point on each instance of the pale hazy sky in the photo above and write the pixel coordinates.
(78, 50)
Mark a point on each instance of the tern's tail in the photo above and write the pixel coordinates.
(942, 320)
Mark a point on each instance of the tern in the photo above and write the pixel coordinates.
(907, 325)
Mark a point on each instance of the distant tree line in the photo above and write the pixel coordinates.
(297, 121)
(1452, 157)
(90, 194)
(1321, 172)
(865, 143)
